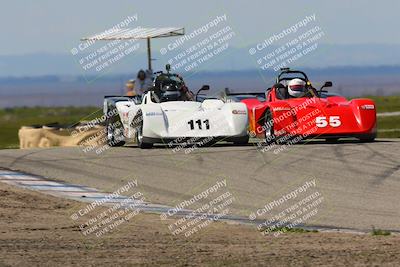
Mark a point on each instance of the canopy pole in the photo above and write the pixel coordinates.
(148, 53)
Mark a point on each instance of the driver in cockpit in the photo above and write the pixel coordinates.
(171, 87)
(297, 88)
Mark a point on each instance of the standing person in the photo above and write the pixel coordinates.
(143, 82)
(130, 85)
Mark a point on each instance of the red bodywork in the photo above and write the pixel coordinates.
(333, 116)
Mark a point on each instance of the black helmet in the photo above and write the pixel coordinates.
(170, 92)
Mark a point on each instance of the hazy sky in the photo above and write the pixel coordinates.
(56, 26)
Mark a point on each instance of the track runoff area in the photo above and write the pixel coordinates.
(347, 186)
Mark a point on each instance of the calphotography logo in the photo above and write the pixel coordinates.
(108, 212)
(95, 59)
(298, 41)
(200, 210)
(288, 212)
(206, 43)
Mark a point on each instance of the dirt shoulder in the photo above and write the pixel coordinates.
(36, 229)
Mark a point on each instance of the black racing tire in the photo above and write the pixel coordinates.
(244, 140)
(268, 125)
(115, 134)
(331, 140)
(209, 143)
(139, 137)
(367, 138)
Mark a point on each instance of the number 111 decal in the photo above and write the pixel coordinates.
(200, 124)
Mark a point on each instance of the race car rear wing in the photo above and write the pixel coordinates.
(238, 97)
(125, 96)
(256, 94)
(111, 100)
(116, 98)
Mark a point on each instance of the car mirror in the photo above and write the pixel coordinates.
(203, 88)
(326, 84)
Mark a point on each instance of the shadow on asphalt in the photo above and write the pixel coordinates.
(344, 141)
(255, 142)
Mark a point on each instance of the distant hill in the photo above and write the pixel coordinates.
(233, 59)
(54, 90)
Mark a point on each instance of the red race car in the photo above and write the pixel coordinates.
(293, 108)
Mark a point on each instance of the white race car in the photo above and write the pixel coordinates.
(160, 116)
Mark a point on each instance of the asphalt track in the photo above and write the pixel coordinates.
(359, 182)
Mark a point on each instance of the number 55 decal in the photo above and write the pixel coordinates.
(334, 121)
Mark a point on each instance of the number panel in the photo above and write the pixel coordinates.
(199, 124)
(333, 121)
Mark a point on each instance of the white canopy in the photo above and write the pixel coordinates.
(136, 33)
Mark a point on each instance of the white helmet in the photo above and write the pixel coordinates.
(297, 87)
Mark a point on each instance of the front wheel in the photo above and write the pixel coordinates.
(368, 138)
(331, 140)
(115, 134)
(269, 128)
(241, 140)
(139, 137)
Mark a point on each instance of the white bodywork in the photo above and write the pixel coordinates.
(183, 119)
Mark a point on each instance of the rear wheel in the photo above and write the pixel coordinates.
(139, 137)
